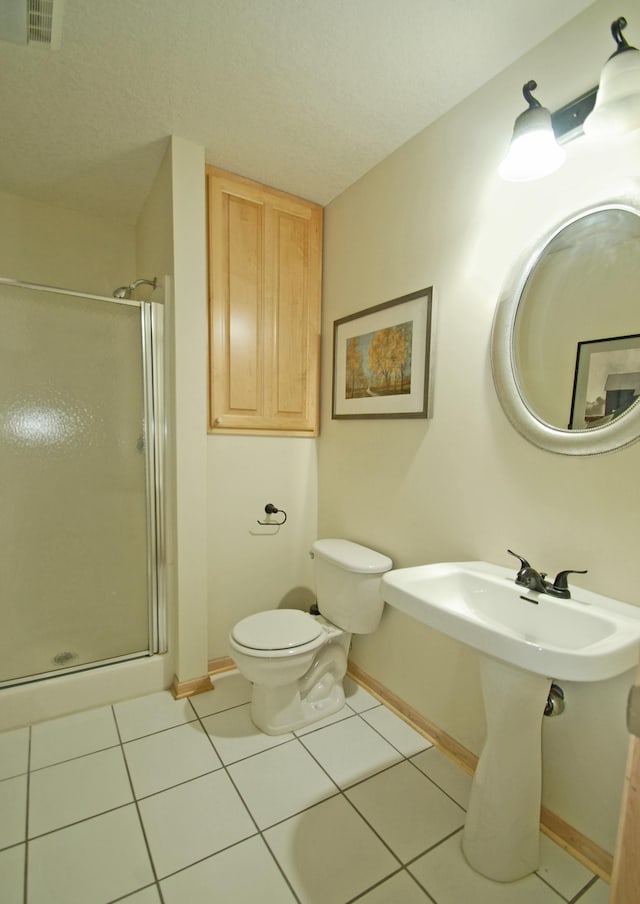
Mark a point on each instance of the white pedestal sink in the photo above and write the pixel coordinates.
(501, 837)
(528, 639)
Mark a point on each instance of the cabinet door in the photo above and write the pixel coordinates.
(264, 308)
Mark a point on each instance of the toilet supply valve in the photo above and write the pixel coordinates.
(270, 509)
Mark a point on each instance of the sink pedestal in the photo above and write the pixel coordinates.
(502, 829)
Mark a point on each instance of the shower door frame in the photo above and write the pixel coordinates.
(152, 354)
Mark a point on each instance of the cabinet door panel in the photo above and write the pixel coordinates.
(244, 266)
(291, 352)
(265, 264)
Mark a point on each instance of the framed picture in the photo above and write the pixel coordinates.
(381, 359)
(606, 381)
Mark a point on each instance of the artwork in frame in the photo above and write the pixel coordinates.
(381, 359)
(606, 381)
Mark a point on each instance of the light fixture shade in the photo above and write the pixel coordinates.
(534, 151)
(617, 107)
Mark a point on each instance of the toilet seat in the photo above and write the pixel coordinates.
(278, 629)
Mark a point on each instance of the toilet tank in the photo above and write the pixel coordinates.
(348, 584)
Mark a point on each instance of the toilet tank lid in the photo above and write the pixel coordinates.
(352, 556)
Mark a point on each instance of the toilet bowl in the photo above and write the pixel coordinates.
(295, 661)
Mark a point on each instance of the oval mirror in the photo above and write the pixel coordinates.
(565, 347)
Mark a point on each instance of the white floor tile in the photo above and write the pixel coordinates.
(448, 878)
(446, 774)
(561, 870)
(230, 689)
(192, 821)
(144, 715)
(13, 810)
(397, 732)
(243, 874)
(357, 698)
(12, 875)
(406, 810)
(235, 736)
(350, 751)
(329, 853)
(14, 752)
(332, 847)
(94, 861)
(170, 757)
(279, 782)
(597, 894)
(71, 736)
(77, 789)
(399, 889)
(149, 895)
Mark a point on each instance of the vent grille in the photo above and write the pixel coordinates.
(40, 21)
(43, 24)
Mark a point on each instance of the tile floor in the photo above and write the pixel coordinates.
(182, 802)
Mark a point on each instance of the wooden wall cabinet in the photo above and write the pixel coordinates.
(265, 268)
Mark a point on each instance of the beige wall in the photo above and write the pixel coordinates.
(252, 568)
(58, 247)
(464, 485)
(189, 344)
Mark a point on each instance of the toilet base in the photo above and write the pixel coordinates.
(318, 694)
(279, 710)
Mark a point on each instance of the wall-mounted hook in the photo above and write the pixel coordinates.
(270, 509)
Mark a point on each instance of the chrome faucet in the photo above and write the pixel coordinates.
(536, 580)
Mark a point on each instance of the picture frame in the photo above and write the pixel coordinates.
(382, 359)
(606, 381)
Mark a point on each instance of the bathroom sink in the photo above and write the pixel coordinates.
(586, 638)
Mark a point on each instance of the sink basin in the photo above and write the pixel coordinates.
(527, 639)
(586, 638)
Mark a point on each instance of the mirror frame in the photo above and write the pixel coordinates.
(616, 435)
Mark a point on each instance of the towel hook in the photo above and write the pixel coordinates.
(270, 509)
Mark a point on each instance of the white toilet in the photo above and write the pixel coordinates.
(297, 661)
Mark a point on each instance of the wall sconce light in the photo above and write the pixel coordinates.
(534, 151)
(611, 109)
(617, 108)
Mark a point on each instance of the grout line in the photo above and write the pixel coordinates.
(339, 791)
(412, 878)
(130, 894)
(432, 847)
(578, 897)
(137, 806)
(548, 884)
(380, 882)
(78, 822)
(342, 792)
(422, 888)
(280, 868)
(244, 803)
(434, 782)
(26, 823)
(216, 713)
(78, 756)
(261, 833)
(385, 738)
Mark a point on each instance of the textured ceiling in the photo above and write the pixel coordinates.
(305, 95)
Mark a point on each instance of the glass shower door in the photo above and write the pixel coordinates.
(76, 533)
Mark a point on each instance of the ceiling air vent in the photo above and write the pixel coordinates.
(37, 22)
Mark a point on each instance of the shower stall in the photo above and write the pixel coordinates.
(81, 442)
